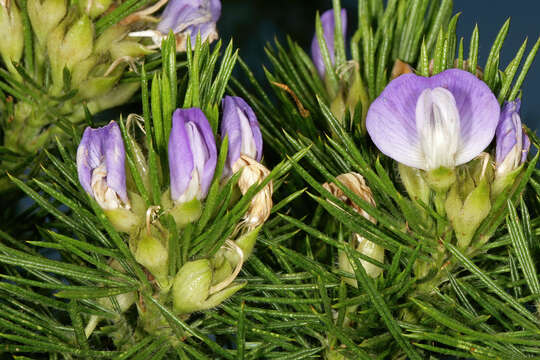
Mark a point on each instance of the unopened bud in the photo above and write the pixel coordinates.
(67, 48)
(467, 208)
(44, 16)
(253, 173)
(94, 8)
(154, 256)
(11, 46)
(192, 288)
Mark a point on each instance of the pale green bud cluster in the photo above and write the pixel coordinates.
(11, 46)
(464, 195)
(72, 63)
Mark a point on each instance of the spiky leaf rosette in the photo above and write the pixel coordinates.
(435, 295)
(105, 294)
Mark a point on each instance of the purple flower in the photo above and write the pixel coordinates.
(192, 155)
(191, 17)
(240, 124)
(101, 166)
(512, 143)
(328, 25)
(428, 123)
(185, 18)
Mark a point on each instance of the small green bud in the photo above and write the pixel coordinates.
(123, 220)
(94, 8)
(503, 182)
(192, 289)
(414, 182)
(44, 16)
(247, 241)
(11, 46)
(467, 215)
(66, 49)
(440, 179)
(154, 256)
(367, 248)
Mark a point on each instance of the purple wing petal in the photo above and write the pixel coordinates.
(506, 131)
(180, 157)
(478, 110)
(328, 25)
(230, 126)
(84, 170)
(115, 156)
(391, 120)
(198, 118)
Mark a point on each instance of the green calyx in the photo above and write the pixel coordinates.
(440, 179)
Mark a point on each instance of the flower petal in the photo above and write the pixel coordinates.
(391, 118)
(328, 25)
(180, 157)
(240, 125)
(478, 111)
(84, 170)
(506, 131)
(191, 16)
(115, 157)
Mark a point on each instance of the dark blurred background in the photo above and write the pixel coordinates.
(254, 23)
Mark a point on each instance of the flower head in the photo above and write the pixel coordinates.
(240, 125)
(192, 155)
(328, 25)
(437, 122)
(186, 18)
(101, 166)
(512, 143)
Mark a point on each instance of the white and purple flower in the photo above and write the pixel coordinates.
(186, 18)
(512, 143)
(192, 155)
(241, 127)
(328, 25)
(437, 122)
(101, 166)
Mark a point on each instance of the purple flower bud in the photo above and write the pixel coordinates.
(101, 166)
(431, 123)
(192, 155)
(512, 143)
(191, 17)
(328, 25)
(240, 125)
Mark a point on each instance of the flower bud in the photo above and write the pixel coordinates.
(44, 16)
(186, 18)
(154, 256)
(253, 173)
(192, 155)
(512, 147)
(328, 25)
(356, 183)
(241, 127)
(11, 46)
(468, 202)
(94, 8)
(192, 288)
(102, 173)
(67, 48)
(416, 186)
